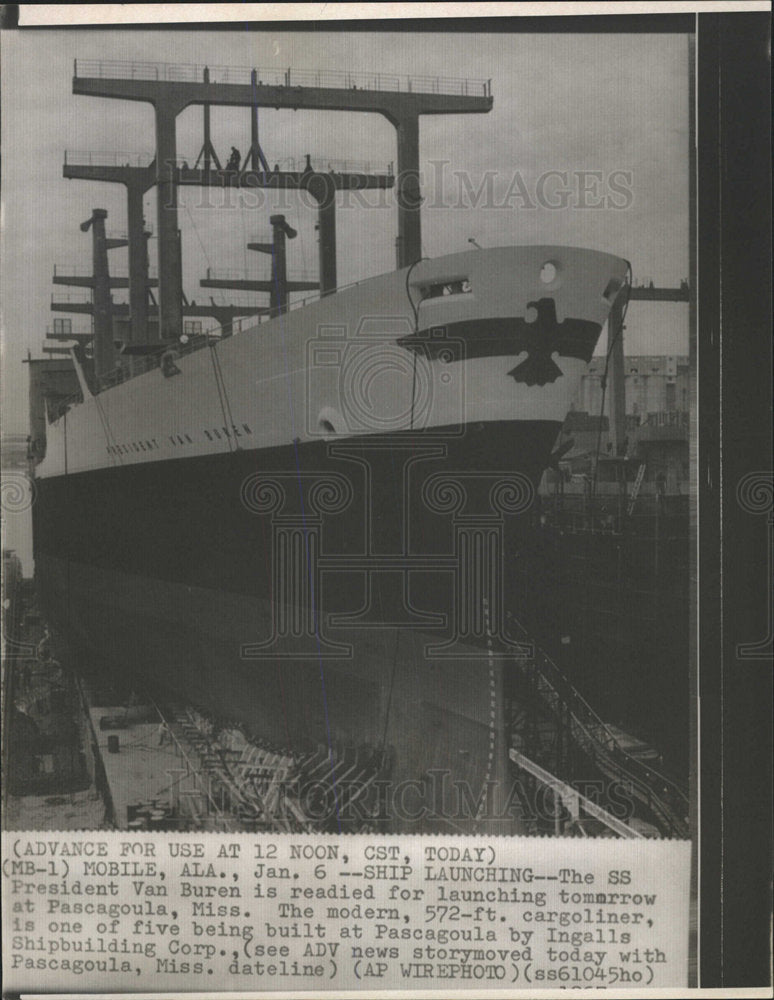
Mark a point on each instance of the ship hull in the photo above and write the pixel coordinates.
(442, 719)
(191, 603)
(309, 528)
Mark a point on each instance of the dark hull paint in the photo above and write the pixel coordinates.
(500, 336)
(164, 572)
(430, 716)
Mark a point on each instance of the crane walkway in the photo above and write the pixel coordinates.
(112, 69)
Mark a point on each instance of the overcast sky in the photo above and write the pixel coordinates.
(561, 103)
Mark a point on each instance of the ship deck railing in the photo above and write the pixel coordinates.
(273, 77)
(659, 793)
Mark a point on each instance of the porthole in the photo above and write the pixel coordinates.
(551, 274)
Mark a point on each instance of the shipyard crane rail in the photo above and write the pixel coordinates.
(123, 234)
(571, 800)
(240, 274)
(329, 165)
(114, 158)
(171, 88)
(293, 164)
(236, 301)
(658, 793)
(273, 77)
(68, 334)
(71, 299)
(66, 270)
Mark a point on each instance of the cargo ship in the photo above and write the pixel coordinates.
(304, 527)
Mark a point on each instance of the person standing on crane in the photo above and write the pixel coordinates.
(234, 160)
